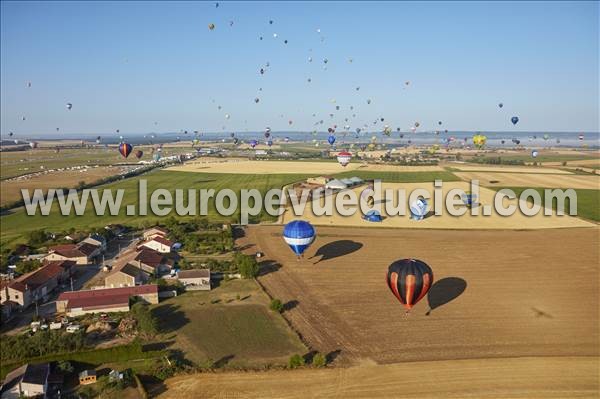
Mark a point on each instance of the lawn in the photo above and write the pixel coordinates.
(588, 201)
(217, 327)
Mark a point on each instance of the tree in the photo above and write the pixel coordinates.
(319, 360)
(145, 320)
(247, 265)
(37, 237)
(276, 305)
(296, 361)
(27, 266)
(65, 366)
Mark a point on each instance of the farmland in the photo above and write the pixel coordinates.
(228, 326)
(490, 300)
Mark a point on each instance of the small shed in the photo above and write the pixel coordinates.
(195, 279)
(87, 377)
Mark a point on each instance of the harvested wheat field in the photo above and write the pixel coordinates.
(511, 314)
(511, 169)
(444, 221)
(550, 377)
(11, 189)
(532, 180)
(316, 168)
(496, 293)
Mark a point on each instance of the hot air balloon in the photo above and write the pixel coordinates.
(269, 143)
(409, 280)
(534, 154)
(418, 209)
(581, 137)
(387, 130)
(500, 105)
(125, 149)
(479, 140)
(253, 143)
(344, 158)
(331, 139)
(469, 199)
(139, 154)
(514, 120)
(69, 106)
(286, 139)
(299, 234)
(546, 136)
(211, 26)
(10, 134)
(33, 144)
(156, 156)
(98, 139)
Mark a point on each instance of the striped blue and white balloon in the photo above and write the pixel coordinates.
(418, 209)
(299, 234)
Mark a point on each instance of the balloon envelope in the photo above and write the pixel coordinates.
(418, 209)
(125, 149)
(299, 234)
(409, 280)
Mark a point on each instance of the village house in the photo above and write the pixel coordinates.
(37, 285)
(96, 240)
(159, 244)
(29, 380)
(87, 377)
(104, 300)
(126, 275)
(83, 253)
(152, 261)
(155, 232)
(196, 279)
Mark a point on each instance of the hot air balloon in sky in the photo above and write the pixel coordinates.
(69, 106)
(514, 120)
(409, 280)
(139, 154)
(125, 149)
(344, 158)
(253, 143)
(299, 234)
(331, 139)
(534, 153)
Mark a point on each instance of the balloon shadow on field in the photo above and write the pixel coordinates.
(336, 249)
(444, 291)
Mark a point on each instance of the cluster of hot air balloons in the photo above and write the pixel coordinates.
(479, 140)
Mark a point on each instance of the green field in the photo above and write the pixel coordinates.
(542, 157)
(588, 201)
(17, 163)
(23, 162)
(15, 224)
(216, 327)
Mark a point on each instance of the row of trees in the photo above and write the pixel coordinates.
(19, 347)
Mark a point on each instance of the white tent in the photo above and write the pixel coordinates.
(335, 184)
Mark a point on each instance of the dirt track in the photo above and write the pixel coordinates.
(528, 293)
(482, 378)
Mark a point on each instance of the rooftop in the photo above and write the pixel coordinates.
(194, 273)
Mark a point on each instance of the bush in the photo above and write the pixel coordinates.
(65, 366)
(319, 360)
(145, 320)
(247, 265)
(276, 306)
(296, 361)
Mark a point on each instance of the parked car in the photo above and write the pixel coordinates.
(73, 328)
(56, 325)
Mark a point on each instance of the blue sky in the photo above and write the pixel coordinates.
(127, 65)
